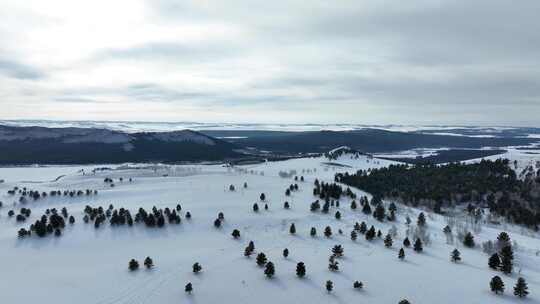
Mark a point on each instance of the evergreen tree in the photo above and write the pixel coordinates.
(217, 223)
(292, 229)
(401, 254)
(270, 270)
(328, 231)
(507, 258)
(338, 215)
(248, 251)
(300, 269)
(496, 284)
(285, 253)
(468, 241)
(406, 242)
(337, 250)
(265, 206)
(197, 268)
(188, 215)
(333, 265)
(404, 301)
(353, 205)
(133, 265)
(261, 259)
(313, 232)
(363, 228)
(366, 209)
(354, 235)
(379, 233)
(388, 241)
(263, 197)
(236, 233)
(255, 207)
(329, 286)
(188, 288)
(494, 261)
(421, 221)
(379, 212)
(418, 245)
(520, 290)
(286, 205)
(358, 285)
(148, 262)
(251, 245)
(455, 256)
(370, 234)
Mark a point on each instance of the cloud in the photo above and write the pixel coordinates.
(20, 71)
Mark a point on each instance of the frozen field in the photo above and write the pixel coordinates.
(87, 265)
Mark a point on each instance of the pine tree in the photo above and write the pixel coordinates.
(255, 207)
(328, 231)
(300, 269)
(338, 215)
(520, 290)
(404, 301)
(455, 256)
(333, 265)
(133, 265)
(354, 235)
(292, 229)
(236, 233)
(337, 250)
(269, 271)
(221, 216)
(251, 245)
(366, 209)
(468, 241)
(507, 258)
(363, 228)
(248, 251)
(496, 284)
(379, 212)
(285, 253)
(313, 232)
(494, 261)
(421, 221)
(197, 268)
(286, 205)
(370, 234)
(388, 241)
(406, 242)
(401, 254)
(353, 205)
(329, 286)
(265, 206)
(217, 223)
(263, 197)
(148, 262)
(261, 259)
(358, 285)
(188, 288)
(418, 246)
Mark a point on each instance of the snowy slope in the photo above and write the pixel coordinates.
(86, 265)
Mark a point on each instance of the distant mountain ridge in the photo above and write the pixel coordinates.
(31, 145)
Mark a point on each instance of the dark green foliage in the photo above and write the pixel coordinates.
(354, 235)
(333, 265)
(406, 242)
(358, 285)
(494, 262)
(285, 253)
(148, 262)
(366, 209)
(255, 207)
(263, 197)
(468, 241)
(329, 286)
(328, 231)
(133, 265)
(363, 228)
(286, 205)
(217, 223)
(338, 215)
(370, 234)
(418, 247)
(455, 256)
(300, 269)
(401, 254)
(197, 268)
(507, 258)
(292, 229)
(421, 221)
(388, 241)
(521, 289)
(188, 288)
(270, 270)
(379, 212)
(313, 232)
(337, 250)
(496, 285)
(353, 205)
(236, 233)
(261, 259)
(404, 301)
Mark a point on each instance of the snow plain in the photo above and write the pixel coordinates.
(87, 265)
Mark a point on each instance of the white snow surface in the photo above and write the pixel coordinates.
(89, 266)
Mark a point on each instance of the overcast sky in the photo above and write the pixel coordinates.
(372, 62)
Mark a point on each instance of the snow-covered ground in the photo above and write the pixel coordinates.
(88, 265)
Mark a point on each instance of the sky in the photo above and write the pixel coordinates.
(370, 62)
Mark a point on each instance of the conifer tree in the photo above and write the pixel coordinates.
(270, 270)
(455, 256)
(188, 288)
(285, 253)
(388, 241)
(370, 234)
(404, 301)
(379, 212)
(363, 228)
(366, 209)
(337, 250)
(521, 289)
(188, 215)
(313, 232)
(265, 206)
(148, 262)
(406, 242)
(354, 235)
(401, 254)
(217, 223)
(286, 205)
(468, 241)
(292, 229)
(197, 268)
(263, 197)
(421, 221)
(494, 262)
(329, 286)
(255, 207)
(418, 245)
(133, 265)
(261, 259)
(507, 258)
(353, 205)
(333, 265)
(328, 231)
(496, 284)
(338, 215)
(248, 252)
(358, 285)
(300, 269)
(236, 233)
